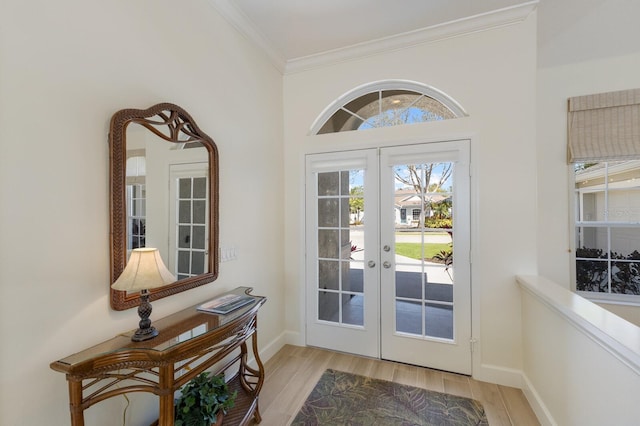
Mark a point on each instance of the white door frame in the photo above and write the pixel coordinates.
(472, 298)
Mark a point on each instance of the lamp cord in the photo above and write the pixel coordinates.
(124, 413)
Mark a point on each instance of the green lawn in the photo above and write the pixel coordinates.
(413, 250)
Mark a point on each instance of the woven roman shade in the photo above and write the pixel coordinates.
(604, 127)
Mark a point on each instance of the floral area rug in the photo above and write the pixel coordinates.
(347, 399)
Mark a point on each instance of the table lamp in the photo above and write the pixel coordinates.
(144, 271)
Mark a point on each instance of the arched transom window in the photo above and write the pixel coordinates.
(384, 104)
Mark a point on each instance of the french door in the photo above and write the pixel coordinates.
(188, 212)
(425, 307)
(342, 273)
(381, 229)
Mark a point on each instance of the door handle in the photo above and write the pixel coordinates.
(371, 264)
(386, 264)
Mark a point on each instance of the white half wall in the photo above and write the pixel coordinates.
(581, 362)
(65, 68)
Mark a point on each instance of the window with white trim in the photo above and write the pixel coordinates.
(384, 104)
(608, 227)
(604, 148)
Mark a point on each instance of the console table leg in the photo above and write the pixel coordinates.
(254, 344)
(75, 402)
(166, 415)
(256, 355)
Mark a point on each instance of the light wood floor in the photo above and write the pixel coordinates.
(292, 373)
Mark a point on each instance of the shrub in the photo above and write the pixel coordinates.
(593, 275)
(432, 222)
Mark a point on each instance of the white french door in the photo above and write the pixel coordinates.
(380, 277)
(342, 275)
(425, 311)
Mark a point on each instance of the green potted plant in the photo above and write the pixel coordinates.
(204, 401)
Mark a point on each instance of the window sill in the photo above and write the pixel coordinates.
(611, 299)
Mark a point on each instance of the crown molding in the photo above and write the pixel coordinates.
(477, 23)
(473, 24)
(248, 29)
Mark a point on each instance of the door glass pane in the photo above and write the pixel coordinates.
(438, 320)
(328, 212)
(184, 236)
(408, 317)
(328, 183)
(345, 217)
(184, 188)
(353, 309)
(136, 216)
(199, 211)
(200, 188)
(340, 280)
(198, 238)
(191, 229)
(424, 249)
(185, 211)
(197, 263)
(353, 279)
(328, 246)
(328, 306)
(328, 275)
(183, 264)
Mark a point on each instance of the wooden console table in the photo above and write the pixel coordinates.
(188, 343)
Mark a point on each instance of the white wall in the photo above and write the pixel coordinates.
(492, 75)
(65, 68)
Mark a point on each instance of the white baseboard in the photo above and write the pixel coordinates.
(499, 375)
(537, 405)
(516, 379)
(294, 338)
(272, 347)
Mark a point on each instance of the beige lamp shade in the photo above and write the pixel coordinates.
(145, 270)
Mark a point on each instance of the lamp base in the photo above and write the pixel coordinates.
(146, 330)
(144, 334)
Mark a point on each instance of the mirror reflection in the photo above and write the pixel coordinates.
(170, 180)
(168, 171)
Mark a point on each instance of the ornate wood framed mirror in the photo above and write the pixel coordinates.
(164, 194)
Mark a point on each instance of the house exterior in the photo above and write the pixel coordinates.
(409, 206)
(67, 66)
